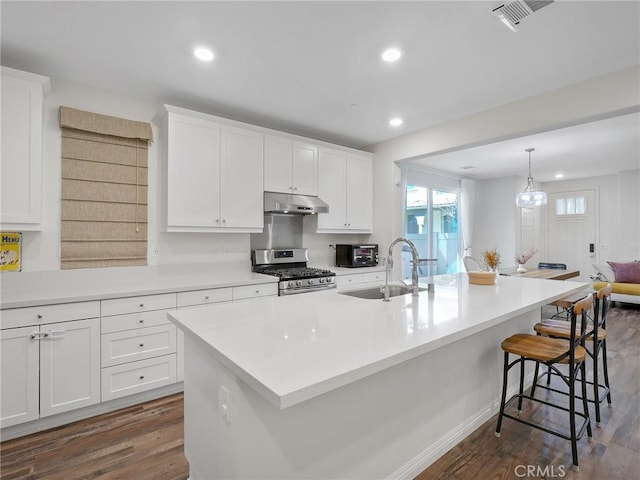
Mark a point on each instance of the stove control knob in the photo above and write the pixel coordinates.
(310, 282)
(290, 284)
(298, 283)
(329, 279)
(322, 280)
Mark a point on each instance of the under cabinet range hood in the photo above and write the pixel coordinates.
(293, 204)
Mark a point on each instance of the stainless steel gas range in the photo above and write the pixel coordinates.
(290, 266)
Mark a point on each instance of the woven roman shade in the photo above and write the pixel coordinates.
(104, 190)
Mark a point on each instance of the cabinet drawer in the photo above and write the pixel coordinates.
(377, 277)
(118, 306)
(253, 291)
(201, 297)
(348, 280)
(131, 321)
(22, 317)
(132, 345)
(135, 377)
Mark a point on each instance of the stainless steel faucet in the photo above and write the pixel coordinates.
(414, 267)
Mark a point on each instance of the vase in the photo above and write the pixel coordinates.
(495, 272)
(521, 268)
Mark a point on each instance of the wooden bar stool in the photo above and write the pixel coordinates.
(552, 352)
(597, 334)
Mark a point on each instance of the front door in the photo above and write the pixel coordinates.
(571, 230)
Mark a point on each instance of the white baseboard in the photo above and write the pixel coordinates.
(433, 452)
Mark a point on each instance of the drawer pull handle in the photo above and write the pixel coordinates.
(141, 377)
(142, 344)
(141, 321)
(141, 305)
(39, 316)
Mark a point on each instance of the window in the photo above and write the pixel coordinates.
(571, 206)
(431, 223)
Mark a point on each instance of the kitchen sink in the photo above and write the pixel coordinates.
(377, 293)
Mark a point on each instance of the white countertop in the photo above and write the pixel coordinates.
(294, 348)
(26, 289)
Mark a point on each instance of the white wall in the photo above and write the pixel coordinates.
(617, 212)
(601, 97)
(496, 222)
(41, 250)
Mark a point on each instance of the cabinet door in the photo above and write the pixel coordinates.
(69, 366)
(277, 164)
(241, 179)
(19, 361)
(21, 154)
(359, 193)
(305, 168)
(332, 188)
(193, 172)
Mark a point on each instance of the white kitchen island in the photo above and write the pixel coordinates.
(326, 385)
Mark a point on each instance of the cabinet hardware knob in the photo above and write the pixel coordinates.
(217, 220)
(141, 305)
(224, 221)
(141, 321)
(206, 297)
(141, 377)
(39, 316)
(142, 344)
(257, 291)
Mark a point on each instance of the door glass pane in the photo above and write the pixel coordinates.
(416, 226)
(445, 231)
(560, 207)
(580, 206)
(441, 242)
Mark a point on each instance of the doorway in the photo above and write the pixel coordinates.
(571, 230)
(431, 223)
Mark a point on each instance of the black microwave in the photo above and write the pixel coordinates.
(356, 255)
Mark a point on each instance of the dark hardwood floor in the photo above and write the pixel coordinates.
(146, 441)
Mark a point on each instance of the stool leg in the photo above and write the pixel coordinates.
(605, 370)
(521, 389)
(572, 417)
(596, 390)
(585, 402)
(535, 379)
(505, 372)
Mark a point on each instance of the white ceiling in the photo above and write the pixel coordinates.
(300, 66)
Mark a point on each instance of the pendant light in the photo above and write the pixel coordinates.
(532, 196)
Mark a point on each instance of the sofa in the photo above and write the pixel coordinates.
(624, 278)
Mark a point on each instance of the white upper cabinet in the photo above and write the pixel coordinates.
(193, 173)
(214, 175)
(21, 189)
(290, 166)
(241, 199)
(345, 183)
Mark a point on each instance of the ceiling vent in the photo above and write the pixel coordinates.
(512, 13)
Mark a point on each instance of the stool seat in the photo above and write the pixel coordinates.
(562, 329)
(539, 348)
(568, 301)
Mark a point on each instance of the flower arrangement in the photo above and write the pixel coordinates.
(525, 256)
(491, 258)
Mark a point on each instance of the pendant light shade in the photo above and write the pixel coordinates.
(532, 196)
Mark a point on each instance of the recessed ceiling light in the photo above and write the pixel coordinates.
(559, 175)
(395, 122)
(203, 53)
(391, 54)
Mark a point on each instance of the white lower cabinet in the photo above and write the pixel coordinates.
(358, 279)
(138, 344)
(135, 377)
(69, 366)
(48, 368)
(20, 361)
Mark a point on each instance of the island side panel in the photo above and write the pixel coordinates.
(389, 425)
